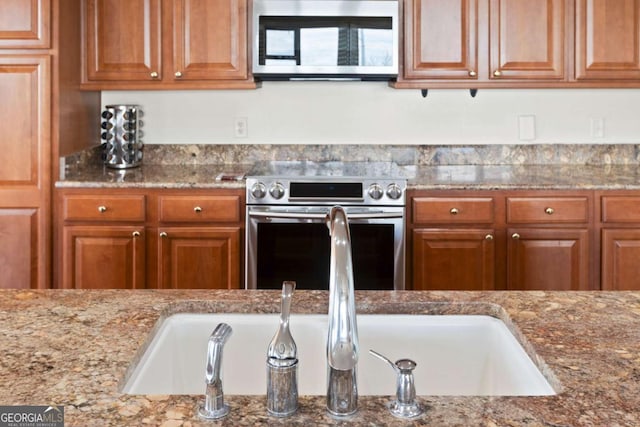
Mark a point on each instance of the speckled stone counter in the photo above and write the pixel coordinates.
(553, 166)
(74, 348)
(445, 177)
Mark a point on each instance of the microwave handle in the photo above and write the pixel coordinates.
(309, 215)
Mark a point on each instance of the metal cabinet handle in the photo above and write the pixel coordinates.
(488, 237)
(154, 74)
(197, 209)
(454, 211)
(136, 234)
(515, 236)
(163, 234)
(497, 73)
(472, 73)
(549, 211)
(102, 209)
(178, 74)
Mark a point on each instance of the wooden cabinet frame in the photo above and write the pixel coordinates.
(25, 24)
(169, 44)
(150, 238)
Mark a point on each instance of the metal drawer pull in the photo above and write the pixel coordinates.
(488, 237)
(454, 211)
(163, 234)
(549, 211)
(102, 209)
(197, 209)
(136, 234)
(515, 236)
(154, 74)
(178, 74)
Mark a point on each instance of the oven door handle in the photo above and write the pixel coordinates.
(375, 215)
(288, 215)
(310, 215)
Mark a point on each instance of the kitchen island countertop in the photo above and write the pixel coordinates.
(73, 348)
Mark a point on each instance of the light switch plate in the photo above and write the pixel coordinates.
(527, 127)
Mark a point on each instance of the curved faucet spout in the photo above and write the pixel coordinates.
(342, 340)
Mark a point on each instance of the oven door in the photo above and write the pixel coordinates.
(293, 243)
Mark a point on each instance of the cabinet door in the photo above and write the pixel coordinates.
(621, 260)
(199, 257)
(441, 39)
(25, 24)
(209, 39)
(527, 39)
(103, 257)
(18, 248)
(548, 259)
(122, 39)
(25, 139)
(608, 39)
(453, 260)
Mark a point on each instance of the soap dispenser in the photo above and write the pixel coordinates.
(282, 363)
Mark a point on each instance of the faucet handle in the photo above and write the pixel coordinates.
(405, 404)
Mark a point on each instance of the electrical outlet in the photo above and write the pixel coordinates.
(241, 127)
(597, 127)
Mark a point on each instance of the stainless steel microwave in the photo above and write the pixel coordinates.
(325, 39)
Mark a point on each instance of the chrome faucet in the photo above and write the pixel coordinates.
(214, 406)
(342, 340)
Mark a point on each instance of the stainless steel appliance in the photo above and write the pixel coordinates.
(325, 39)
(287, 236)
(121, 136)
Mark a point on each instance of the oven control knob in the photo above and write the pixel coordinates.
(258, 190)
(375, 191)
(276, 190)
(394, 191)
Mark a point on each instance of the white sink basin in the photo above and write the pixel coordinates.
(455, 354)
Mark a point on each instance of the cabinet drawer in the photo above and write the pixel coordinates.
(620, 209)
(103, 208)
(199, 208)
(547, 209)
(453, 210)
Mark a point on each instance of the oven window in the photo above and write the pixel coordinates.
(300, 252)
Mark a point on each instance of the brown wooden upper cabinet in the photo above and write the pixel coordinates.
(25, 24)
(608, 39)
(166, 44)
(480, 41)
(527, 39)
(441, 39)
(516, 43)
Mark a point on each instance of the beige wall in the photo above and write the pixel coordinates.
(371, 112)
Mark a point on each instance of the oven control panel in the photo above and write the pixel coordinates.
(357, 191)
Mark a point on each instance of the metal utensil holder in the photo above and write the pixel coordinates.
(121, 136)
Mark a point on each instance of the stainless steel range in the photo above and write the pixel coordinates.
(287, 237)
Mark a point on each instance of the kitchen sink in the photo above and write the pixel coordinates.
(456, 355)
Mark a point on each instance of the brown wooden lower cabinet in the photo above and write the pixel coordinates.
(453, 259)
(103, 257)
(19, 248)
(199, 257)
(621, 259)
(175, 239)
(547, 259)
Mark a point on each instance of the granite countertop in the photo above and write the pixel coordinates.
(444, 177)
(73, 348)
